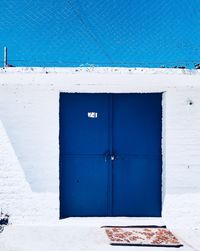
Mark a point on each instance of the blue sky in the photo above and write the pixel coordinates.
(100, 32)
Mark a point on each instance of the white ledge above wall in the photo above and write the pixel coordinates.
(123, 70)
(101, 79)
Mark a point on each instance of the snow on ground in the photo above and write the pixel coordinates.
(60, 238)
(81, 234)
(86, 234)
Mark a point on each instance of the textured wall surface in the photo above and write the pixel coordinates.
(29, 130)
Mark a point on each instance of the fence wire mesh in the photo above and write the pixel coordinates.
(129, 33)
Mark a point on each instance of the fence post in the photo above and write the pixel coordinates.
(5, 63)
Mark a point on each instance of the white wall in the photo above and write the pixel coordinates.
(29, 129)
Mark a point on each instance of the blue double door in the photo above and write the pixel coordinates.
(110, 154)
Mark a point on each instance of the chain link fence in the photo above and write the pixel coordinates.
(129, 33)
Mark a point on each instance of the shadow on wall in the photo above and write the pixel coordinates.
(10, 167)
(30, 118)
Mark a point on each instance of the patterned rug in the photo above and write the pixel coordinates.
(152, 236)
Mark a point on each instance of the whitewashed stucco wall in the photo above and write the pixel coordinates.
(29, 130)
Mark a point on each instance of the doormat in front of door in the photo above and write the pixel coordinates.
(152, 236)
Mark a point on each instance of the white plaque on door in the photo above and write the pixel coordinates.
(92, 115)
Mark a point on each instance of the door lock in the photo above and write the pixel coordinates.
(112, 157)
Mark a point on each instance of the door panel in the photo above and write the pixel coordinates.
(84, 186)
(137, 145)
(84, 140)
(137, 123)
(80, 134)
(136, 186)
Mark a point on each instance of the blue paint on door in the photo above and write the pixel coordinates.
(137, 144)
(110, 154)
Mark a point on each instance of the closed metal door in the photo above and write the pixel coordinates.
(137, 146)
(84, 141)
(110, 155)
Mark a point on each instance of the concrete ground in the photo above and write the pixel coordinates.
(84, 234)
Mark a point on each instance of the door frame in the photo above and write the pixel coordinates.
(163, 136)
